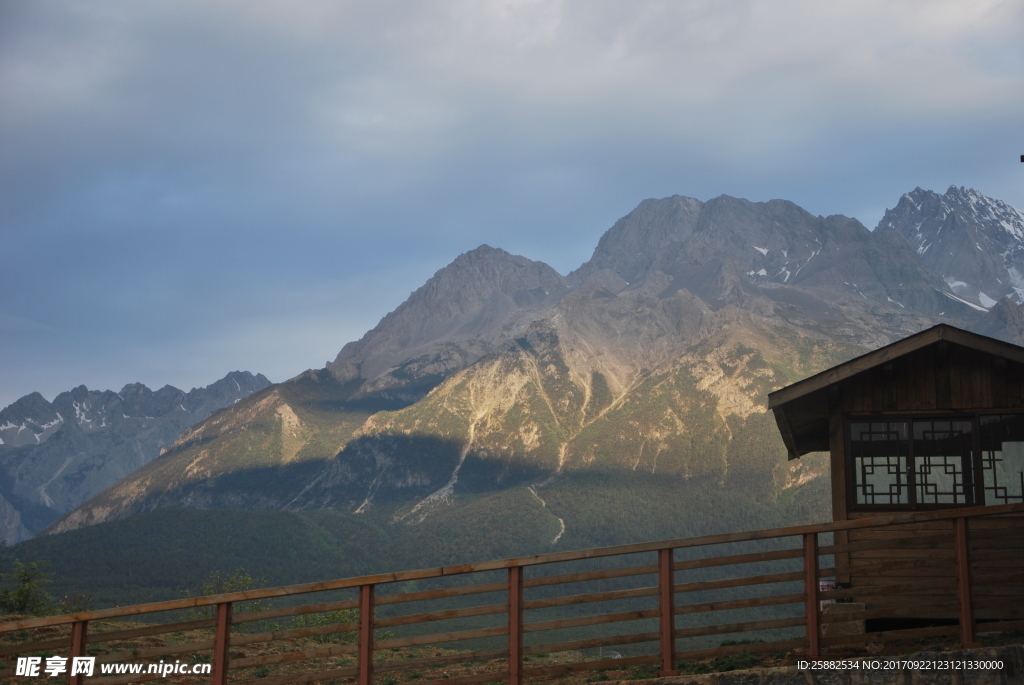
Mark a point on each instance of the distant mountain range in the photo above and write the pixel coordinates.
(55, 455)
(618, 402)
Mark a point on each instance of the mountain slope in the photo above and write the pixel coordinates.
(501, 382)
(54, 456)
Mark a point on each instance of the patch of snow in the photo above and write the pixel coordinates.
(80, 412)
(986, 301)
(959, 299)
(787, 275)
(183, 408)
(809, 258)
(762, 250)
(51, 424)
(762, 272)
(7, 426)
(895, 302)
(955, 284)
(237, 385)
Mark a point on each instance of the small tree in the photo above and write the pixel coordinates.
(217, 583)
(24, 589)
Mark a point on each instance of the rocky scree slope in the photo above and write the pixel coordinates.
(652, 360)
(55, 455)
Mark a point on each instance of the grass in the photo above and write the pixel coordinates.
(390, 657)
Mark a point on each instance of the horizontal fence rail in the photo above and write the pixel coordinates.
(801, 589)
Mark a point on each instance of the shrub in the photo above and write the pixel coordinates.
(24, 589)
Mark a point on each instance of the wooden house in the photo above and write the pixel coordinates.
(933, 421)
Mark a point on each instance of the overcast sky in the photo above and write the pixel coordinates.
(190, 188)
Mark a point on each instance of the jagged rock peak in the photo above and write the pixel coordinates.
(976, 242)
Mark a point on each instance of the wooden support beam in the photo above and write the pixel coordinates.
(667, 613)
(515, 625)
(963, 583)
(365, 658)
(79, 637)
(812, 609)
(222, 644)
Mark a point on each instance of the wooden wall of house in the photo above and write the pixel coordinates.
(942, 376)
(923, 552)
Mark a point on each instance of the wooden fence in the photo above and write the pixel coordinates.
(765, 584)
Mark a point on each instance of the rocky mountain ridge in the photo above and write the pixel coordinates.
(974, 241)
(499, 375)
(55, 455)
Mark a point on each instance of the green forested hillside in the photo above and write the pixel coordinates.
(159, 554)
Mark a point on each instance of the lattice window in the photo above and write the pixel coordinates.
(942, 468)
(1002, 458)
(880, 452)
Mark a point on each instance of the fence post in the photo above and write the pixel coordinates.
(79, 636)
(222, 644)
(515, 625)
(812, 607)
(965, 601)
(667, 613)
(365, 635)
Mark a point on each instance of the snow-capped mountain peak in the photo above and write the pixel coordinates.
(976, 242)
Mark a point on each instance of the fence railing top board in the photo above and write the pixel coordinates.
(535, 560)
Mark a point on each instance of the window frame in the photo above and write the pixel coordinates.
(976, 475)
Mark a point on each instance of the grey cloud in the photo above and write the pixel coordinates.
(181, 181)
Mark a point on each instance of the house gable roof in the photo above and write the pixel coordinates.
(808, 395)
